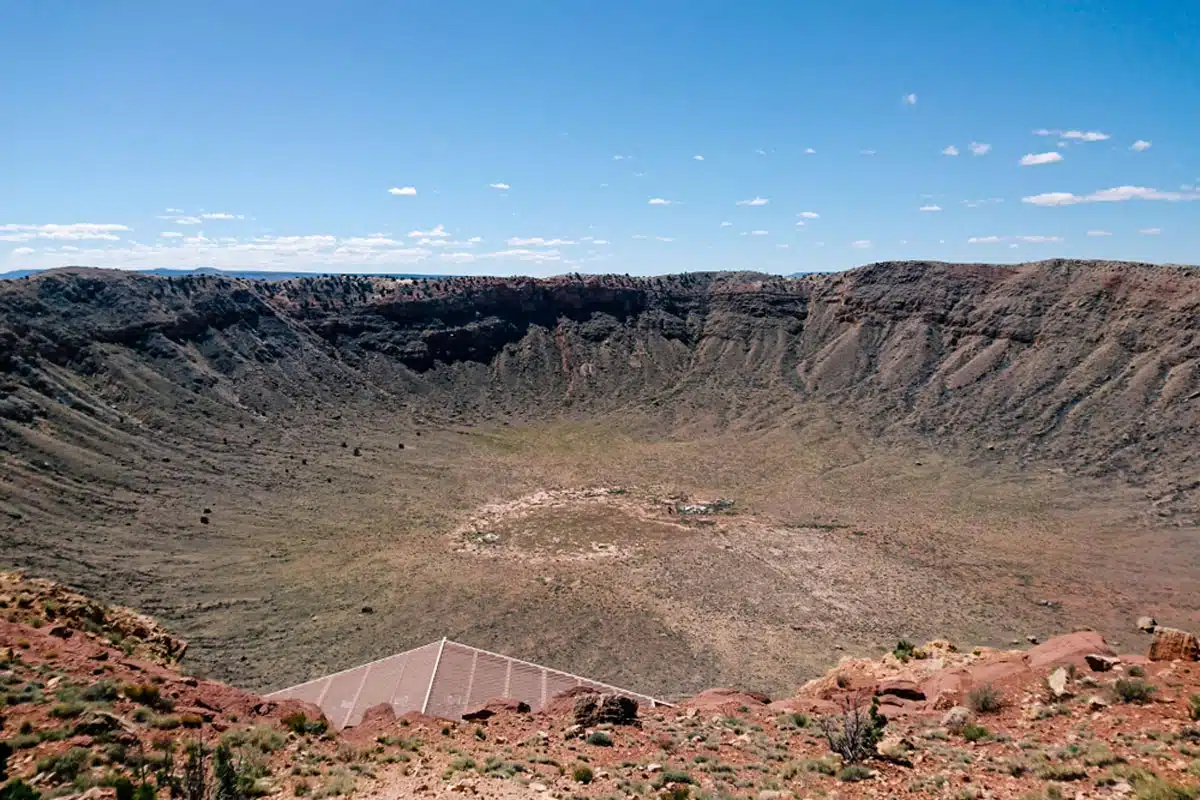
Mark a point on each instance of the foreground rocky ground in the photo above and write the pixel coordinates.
(95, 705)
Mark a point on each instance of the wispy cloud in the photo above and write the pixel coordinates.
(173, 211)
(665, 238)
(639, 236)
(861, 244)
(759, 233)
(950, 150)
(910, 99)
(1099, 233)
(501, 186)
(185, 220)
(810, 215)
(622, 158)
(1117, 194)
(1079, 136)
(1150, 231)
(808, 151)
(600, 241)
(980, 148)
(697, 158)
(930, 208)
(1027, 239)
(783, 246)
(170, 235)
(756, 201)
(1140, 145)
(867, 152)
(1033, 159)
(439, 232)
(23, 251)
(76, 231)
(659, 201)
(759, 151)
(726, 224)
(403, 191)
(537, 241)
(221, 215)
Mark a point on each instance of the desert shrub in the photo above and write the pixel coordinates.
(985, 699)
(1194, 707)
(299, 722)
(583, 773)
(1132, 690)
(149, 695)
(101, 691)
(854, 734)
(853, 773)
(65, 766)
(19, 790)
(600, 739)
(974, 733)
(1061, 772)
(6, 750)
(904, 650)
(672, 776)
(67, 710)
(1136, 672)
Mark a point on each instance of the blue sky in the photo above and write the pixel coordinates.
(549, 136)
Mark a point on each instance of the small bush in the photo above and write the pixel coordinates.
(600, 739)
(101, 692)
(583, 774)
(985, 700)
(299, 723)
(67, 710)
(854, 773)
(904, 650)
(1194, 707)
(974, 733)
(1136, 672)
(1061, 772)
(854, 734)
(19, 790)
(672, 776)
(1133, 690)
(149, 695)
(65, 766)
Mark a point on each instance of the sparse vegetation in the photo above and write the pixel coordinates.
(854, 734)
(1132, 690)
(985, 699)
(582, 773)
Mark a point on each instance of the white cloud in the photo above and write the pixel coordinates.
(727, 224)
(77, 231)
(760, 151)
(783, 246)
(800, 223)
(697, 158)
(188, 221)
(660, 201)
(665, 238)
(861, 244)
(501, 186)
(999, 239)
(1140, 145)
(537, 241)
(600, 241)
(1150, 231)
(1117, 194)
(221, 215)
(808, 151)
(403, 191)
(21, 251)
(930, 208)
(866, 152)
(759, 233)
(173, 211)
(810, 215)
(950, 150)
(1081, 136)
(639, 236)
(980, 148)
(1099, 233)
(170, 235)
(910, 99)
(622, 158)
(1033, 159)
(757, 201)
(438, 232)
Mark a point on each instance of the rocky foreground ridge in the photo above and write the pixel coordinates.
(94, 707)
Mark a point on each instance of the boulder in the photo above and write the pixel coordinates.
(1147, 624)
(494, 706)
(380, 712)
(1171, 644)
(1071, 648)
(599, 709)
(1097, 703)
(896, 749)
(956, 719)
(1101, 663)
(1057, 682)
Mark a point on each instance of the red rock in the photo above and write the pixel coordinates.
(1171, 644)
(494, 706)
(905, 690)
(721, 698)
(1071, 648)
(380, 712)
